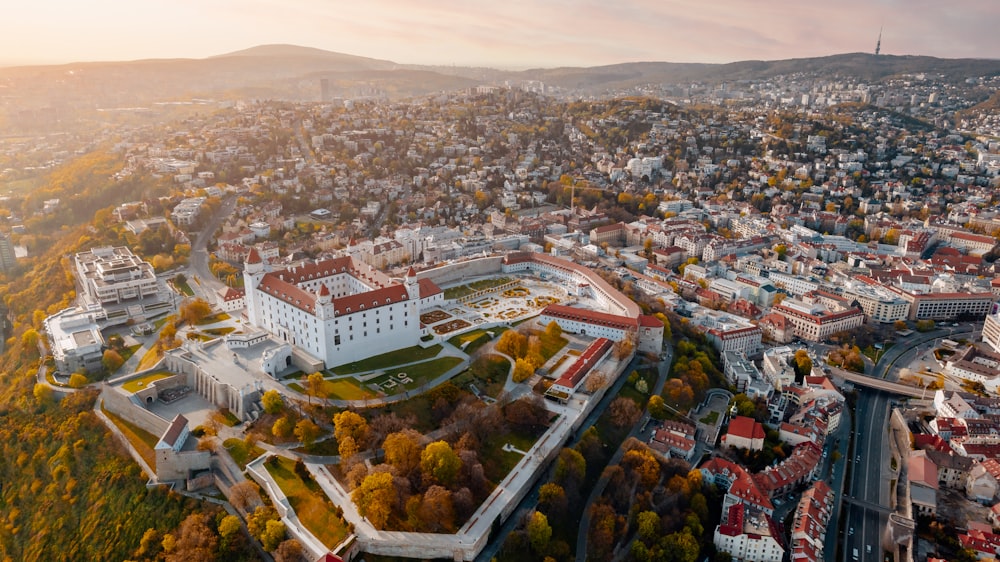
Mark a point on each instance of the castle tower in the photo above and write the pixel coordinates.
(253, 271)
(324, 303)
(412, 286)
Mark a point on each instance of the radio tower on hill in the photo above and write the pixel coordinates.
(878, 44)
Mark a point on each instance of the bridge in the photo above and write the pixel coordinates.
(866, 504)
(859, 379)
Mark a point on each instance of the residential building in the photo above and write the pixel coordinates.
(749, 535)
(813, 321)
(744, 433)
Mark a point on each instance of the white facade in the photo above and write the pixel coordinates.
(336, 310)
(991, 331)
(112, 275)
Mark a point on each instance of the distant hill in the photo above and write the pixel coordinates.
(857, 65)
(42, 96)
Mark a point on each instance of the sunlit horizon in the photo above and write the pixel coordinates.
(514, 35)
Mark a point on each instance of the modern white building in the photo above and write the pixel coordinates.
(75, 341)
(879, 303)
(991, 331)
(113, 275)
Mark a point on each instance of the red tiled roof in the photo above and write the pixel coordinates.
(174, 430)
(254, 256)
(428, 288)
(583, 365)
(747, 428)
(590, 316)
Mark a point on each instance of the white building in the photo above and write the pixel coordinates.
(336, 310)
(75, 341)
(113, 275)
(812, 321)
(878, 302)
(749, 535)
(991, 331)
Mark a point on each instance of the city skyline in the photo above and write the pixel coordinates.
(516, 34)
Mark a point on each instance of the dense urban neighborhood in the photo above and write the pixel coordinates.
(740, 319)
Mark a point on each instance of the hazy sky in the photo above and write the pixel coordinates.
(499, 33)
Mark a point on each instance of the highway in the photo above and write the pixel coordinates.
(869, 464)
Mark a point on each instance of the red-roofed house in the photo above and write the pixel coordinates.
(744, 433)
(749, 535)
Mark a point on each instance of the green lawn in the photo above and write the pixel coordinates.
(240, 452)
(143, 441)
(476, 338)
(488, 374)
(710, 418)
(420, 373)
(325, 447)
(550, 346)
(340, 389)
(137, 384)
(129, 351)
(497, 462)
(183, 287)
(463, 290)
(220, 331)
(311, 505)
(387, 360)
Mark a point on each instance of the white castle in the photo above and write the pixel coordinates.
(337, 310)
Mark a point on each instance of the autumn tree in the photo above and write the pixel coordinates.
(648, 525)
(272, 402)
(350, 424)
(229, 530)
(657, 407)
(528, 412)
(244, 495)
(314, 386)
(375, 498)
(539, 531)
(624, 412)
(77, 380)
(288, 551)
(802, 364)
(282, 427)
(195, 540)
(274, 533)
(194, 311)
(402, 450)
(112, 360)
(347, 448)
(571, 468)
(683, 546)
(552, 499)
(306, 431)
(440, 462)
(437, 511)
(257, 521)
(553, 330)
(522, 370)
(513, 344)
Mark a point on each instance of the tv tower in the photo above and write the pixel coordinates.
(878, 45)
